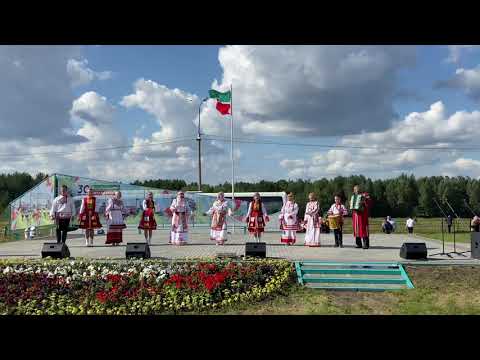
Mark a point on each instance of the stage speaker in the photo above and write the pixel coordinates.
(413, 251)
(138, 250)
(475, 247)
(256, 249)
(55, 250)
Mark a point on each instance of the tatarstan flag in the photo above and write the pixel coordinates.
(223, 100)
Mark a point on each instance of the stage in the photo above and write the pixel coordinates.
(382, 247)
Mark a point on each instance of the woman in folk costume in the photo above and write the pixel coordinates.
(181, 212)
(288, 220)
(147, 222)
(88, 218)
(312, 221)
(219, 212)
(256, 217)
(336, 213)
(360, 204)
(115, 214)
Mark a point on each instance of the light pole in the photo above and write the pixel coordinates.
(199, 139)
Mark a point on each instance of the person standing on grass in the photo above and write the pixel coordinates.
(409, 224)
(449, 223)
(63, 210)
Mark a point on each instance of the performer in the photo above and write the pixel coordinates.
(219, 211)
(360, 204)
(88, 218)
(63, 209)
(312, 221)
(181, 212)
(115, 214)
(288, 220)
(147, 222)
(256, 217)
(335, 215)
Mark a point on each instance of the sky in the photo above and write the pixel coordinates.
(131, 112)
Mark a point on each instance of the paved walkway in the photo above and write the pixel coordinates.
(382, 247)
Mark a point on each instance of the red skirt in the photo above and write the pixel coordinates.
(89, 220)
(256, 223)
(115, 234)
(360, 224)
(148, 220)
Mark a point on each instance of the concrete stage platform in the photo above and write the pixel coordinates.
(382, 248)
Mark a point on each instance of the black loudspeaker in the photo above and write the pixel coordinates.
(256, 249)
(138, 250)
(475, 237)
(413, 251)
(55, 250)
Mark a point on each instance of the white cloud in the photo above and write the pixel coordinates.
(455, 52)
(463, 166)
(467, 80)
(430, 128)
(80, 74)
(93, 108)
(35, 94)
(309, 90)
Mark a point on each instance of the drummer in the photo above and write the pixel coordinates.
(335, 218)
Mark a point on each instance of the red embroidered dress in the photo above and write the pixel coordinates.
(148, 217)
(257, 215)
(88, 218)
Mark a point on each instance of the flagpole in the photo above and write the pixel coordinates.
(231, 150)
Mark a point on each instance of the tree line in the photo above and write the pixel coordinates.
(14, 185)
(402, 196)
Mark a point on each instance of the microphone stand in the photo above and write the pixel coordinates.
(456, 215)
(443, 236)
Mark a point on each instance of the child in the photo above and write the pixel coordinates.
(336, 212)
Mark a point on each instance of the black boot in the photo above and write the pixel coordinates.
(358, 242)
(366, 243)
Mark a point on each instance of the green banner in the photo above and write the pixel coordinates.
(222, 97)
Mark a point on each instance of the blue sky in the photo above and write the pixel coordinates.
(72, 100)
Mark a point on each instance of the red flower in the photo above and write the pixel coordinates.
(102, 296)
(114, 278)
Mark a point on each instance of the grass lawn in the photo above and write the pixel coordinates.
(463, 237)
(438, 290)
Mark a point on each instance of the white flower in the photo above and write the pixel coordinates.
(6, 270)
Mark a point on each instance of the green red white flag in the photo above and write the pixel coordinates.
(224, 100)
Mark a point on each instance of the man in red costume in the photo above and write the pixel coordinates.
(360, 204)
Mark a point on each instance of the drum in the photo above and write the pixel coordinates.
(334, 221)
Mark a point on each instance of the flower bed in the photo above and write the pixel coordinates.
(136, 287)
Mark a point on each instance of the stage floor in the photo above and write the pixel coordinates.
(382, 247)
